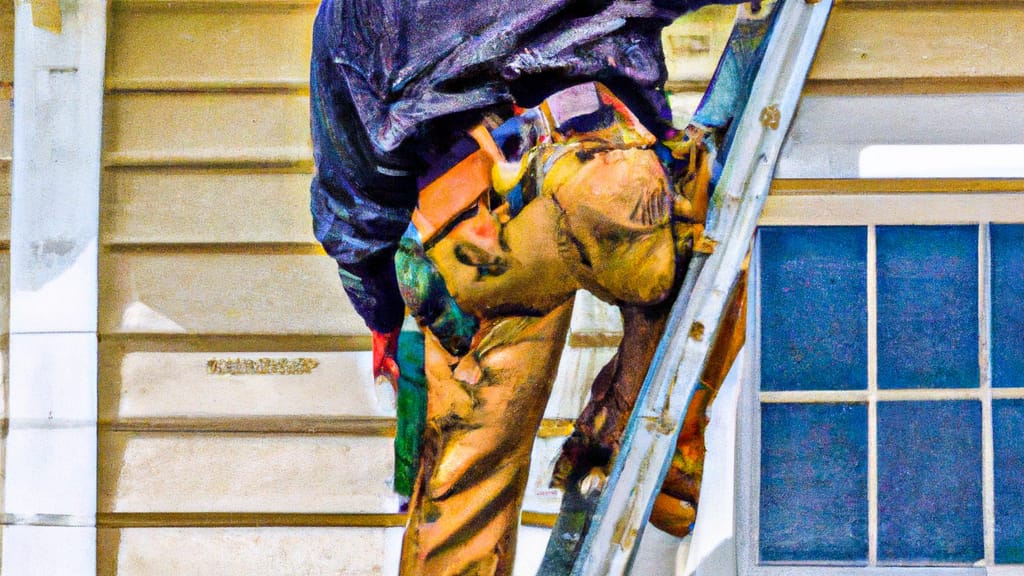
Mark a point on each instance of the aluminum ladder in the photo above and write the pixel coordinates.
(614, 531)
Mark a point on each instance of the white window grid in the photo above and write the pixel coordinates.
(751, 398)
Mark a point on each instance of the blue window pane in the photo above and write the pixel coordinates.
(929, 482)
(1007, 305)
(814, 504)
(1008, 428)
(928, 307)
(813, 308)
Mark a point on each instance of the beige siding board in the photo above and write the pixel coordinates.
(6, 120)
(244, 473)
(5, 291)
(960, 208)
(829, 132)
(590, 315)
(223, 294)
(6, 42)
(869, 41)
(5, 390)
(202, 206)
(863, 41)
(270, 551)
(5, 205)
(576, 372)
(147, 385)
(921, 40)
(155, 127)
(6, 123)
(209, 46)
(539, 496)
(693, 43)
(244, 551)
(827, 186)
(683, 104)
(209, 472)
(271, 47)
(162, 384)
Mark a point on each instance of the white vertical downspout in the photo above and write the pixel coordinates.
(49, 500)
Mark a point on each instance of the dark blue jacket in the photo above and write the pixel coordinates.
(393, 82)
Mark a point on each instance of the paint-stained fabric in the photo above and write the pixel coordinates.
(391, 81)
(592, 207)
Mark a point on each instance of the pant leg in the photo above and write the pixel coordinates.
(626, 249)
(483, 411)
(484, 407)
(620, 243)
(597, 433)
(675, 508)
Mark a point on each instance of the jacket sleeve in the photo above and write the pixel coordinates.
(361, 199)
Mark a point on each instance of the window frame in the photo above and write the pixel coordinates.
(925, 202)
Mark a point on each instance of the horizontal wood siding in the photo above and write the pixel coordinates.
(263, 551)
(197, 129)
(262, 45)
(913, 40)
(245, 551)
(830, 131)
(155, 292)
(240, 432)
(206, 206)
(881, 46)
(288, 384)
(192, 472)
(231, 472)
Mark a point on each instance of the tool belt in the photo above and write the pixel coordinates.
(500, 155)
(618, 212)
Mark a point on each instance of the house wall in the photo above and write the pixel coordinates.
(208, 465)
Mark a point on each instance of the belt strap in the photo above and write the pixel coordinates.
(566, 115)
(457, 189)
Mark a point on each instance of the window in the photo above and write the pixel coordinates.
(889, 404)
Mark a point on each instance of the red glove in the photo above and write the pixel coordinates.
(385, 350)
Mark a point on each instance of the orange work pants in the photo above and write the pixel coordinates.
(602, 222)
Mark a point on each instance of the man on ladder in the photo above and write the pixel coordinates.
(507, 155)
